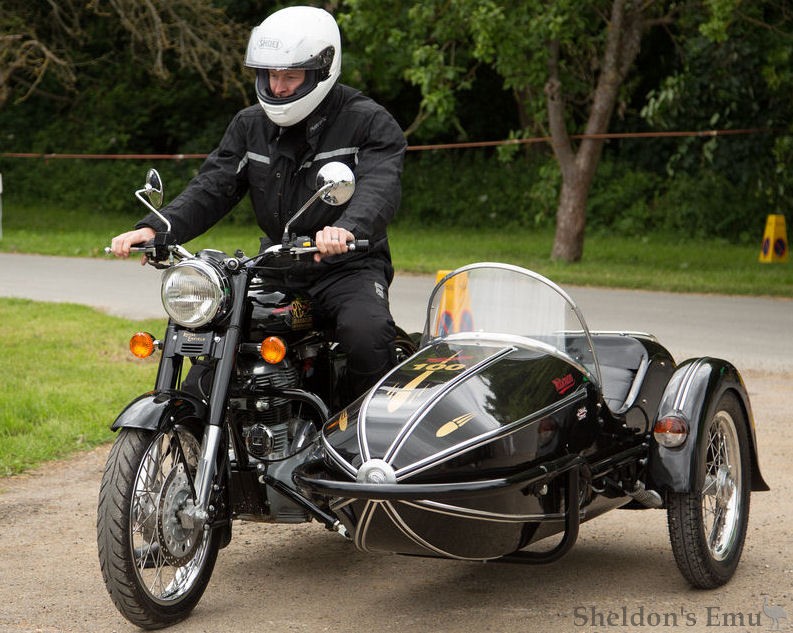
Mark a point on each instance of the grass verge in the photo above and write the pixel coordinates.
(66, 375)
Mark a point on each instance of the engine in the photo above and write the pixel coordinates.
(268, 424)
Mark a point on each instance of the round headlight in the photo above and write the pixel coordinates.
(194, 293)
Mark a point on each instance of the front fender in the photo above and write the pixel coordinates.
(693, 392)
(158, 410)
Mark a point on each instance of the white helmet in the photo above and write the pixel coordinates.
(303, 38)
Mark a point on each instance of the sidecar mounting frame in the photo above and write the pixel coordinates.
(434, 491)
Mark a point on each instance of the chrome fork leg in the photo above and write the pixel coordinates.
(205, 474)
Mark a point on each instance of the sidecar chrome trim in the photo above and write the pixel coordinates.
(338, 459)
(485, 338)
(363, 445)
(482, 515)
(403, 527)
(421, 412)
(363, 525)
(686, 383)
(475, 442)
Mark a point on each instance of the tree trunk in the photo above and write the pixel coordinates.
(578, 167)
(568, 242)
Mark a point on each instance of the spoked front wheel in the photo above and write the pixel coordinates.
(155, 563)
(707, 527)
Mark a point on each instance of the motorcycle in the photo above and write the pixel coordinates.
(510, 422)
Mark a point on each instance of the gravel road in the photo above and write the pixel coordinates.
(620, 577)
(303, 578)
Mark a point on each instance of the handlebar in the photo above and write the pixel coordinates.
(305, 246)
(158, 252)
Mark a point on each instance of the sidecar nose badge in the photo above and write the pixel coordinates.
(376, 471)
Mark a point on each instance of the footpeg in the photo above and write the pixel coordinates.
(648, 498)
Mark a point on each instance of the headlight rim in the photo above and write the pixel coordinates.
(218, 279)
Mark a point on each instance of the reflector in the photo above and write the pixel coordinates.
(670, 431)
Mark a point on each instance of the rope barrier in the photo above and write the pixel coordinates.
(415, 148)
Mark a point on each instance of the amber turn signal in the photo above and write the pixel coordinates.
(273, 350)
(142, 344)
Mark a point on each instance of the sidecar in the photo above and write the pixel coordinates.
(513, 423)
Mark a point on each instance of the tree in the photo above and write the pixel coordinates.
(47, 41)
(624, 29)
(565, 62)
(32, 46)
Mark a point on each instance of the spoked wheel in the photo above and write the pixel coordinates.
(155, 563)
(707, 527)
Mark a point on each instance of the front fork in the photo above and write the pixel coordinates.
(200, 511)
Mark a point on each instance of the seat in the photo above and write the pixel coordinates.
(622, 361)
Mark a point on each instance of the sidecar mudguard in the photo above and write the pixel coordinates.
(692, 393)
(159, 410)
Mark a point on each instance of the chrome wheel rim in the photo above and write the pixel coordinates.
(160, 484)
(721, 491)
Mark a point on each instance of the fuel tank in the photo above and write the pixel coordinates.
(275, 311)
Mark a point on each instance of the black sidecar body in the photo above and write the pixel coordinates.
(513, 422)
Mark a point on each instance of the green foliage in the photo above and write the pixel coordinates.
(475, 189)
(735, 73)
(52, 399)
(709, 204)
(621, 200)
(104, 186)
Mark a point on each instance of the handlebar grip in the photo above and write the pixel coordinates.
(361, 246)
(140, 247)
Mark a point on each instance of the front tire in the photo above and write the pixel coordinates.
(154, 568)
(707, 527)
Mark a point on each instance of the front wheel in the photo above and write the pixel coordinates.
(707, 527)
(155, 565)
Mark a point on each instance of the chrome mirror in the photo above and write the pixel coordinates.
(341, 181)
(153, 189)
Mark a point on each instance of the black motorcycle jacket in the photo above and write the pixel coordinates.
(278, 167)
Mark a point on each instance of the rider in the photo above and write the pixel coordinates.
(273, 150)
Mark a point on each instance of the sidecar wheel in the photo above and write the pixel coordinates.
(154, 568)
(707, 526)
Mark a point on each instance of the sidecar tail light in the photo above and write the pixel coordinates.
(671, 431)
(142, 344)
(273, 350)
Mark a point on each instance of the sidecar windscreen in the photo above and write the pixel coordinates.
(502, 300)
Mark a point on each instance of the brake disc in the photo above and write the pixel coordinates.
(178, 542)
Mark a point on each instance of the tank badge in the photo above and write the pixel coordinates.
(301, 315)
(452, 425)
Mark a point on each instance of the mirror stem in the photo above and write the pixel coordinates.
(320, 192)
